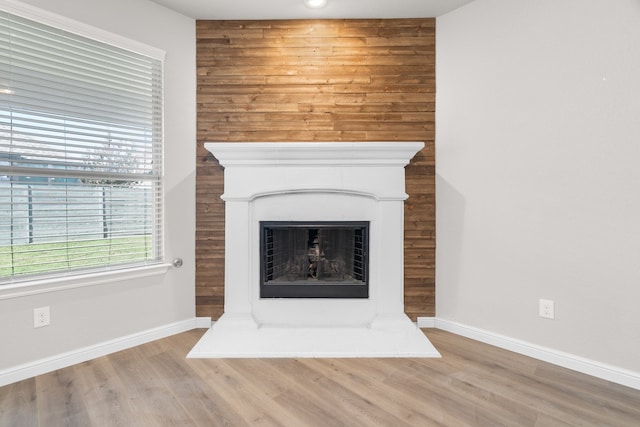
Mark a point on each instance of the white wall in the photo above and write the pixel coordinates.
(87, 316)
(538, 163)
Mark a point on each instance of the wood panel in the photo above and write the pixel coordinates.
(321, 80)
(473, 384)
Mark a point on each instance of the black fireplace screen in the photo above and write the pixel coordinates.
(314, 259)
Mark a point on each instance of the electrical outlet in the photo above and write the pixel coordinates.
(41, 317)
(546, 309)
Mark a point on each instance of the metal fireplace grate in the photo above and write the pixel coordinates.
(314, 260)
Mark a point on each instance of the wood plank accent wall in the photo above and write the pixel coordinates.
(320, 80)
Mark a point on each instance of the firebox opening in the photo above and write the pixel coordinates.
(314, 259)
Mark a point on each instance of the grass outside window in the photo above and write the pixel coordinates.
(18, 260)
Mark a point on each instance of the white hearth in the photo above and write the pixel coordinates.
(344, 181)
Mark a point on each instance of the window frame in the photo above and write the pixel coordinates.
(30, 284)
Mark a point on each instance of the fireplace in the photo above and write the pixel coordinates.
(311, 297)
(321, 259)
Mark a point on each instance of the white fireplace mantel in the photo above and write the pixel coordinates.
(302, 181)
(374, 154)
(374, 169)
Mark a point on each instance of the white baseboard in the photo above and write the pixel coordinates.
(426, 322)
(42, 366)
(590, 367)
(580, 364)
(203, 322)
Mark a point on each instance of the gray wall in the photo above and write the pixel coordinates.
(538, 191)
(86, 316)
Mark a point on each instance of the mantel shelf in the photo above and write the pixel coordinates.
(375, 154)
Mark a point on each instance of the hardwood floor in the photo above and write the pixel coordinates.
(473, 384)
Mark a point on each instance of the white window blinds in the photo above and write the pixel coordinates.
(80, 153)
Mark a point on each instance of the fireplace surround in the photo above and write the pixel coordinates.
(314, 184)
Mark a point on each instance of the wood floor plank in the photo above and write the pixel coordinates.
(146, 390)
(591, 389)
(103, 392)
(60, 400)
(502, 372)
(446, 394)
(501, 409)
(550, 400)
(243, 396)
(259, 386)
(335, 398)
(360, 381)
(473, 384)
(18, 404)
(201, 399)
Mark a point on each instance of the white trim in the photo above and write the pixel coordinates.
(580, 364)
(58, 21)
(63, 360)
(590, 367)
(314, 154)
(34, 287)
(370, 195)
(204, 322)
(426, 322)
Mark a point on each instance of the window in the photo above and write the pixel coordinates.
(80, 153)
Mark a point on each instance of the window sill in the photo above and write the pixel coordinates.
(80, 281)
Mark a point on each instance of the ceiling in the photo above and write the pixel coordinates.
(296, 9)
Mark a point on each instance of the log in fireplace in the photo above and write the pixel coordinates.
(323, 259)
